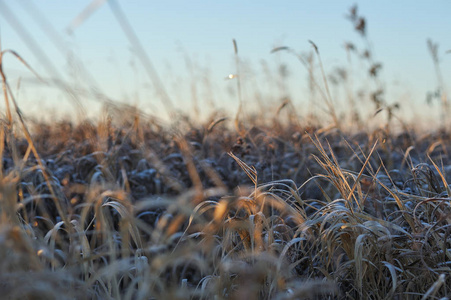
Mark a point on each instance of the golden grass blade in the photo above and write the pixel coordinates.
(251, 172)
(445, 183)
(216, 122)
(357, 180)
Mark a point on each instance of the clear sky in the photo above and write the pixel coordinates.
(175, 32)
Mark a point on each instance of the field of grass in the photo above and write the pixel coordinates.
(137, 211)
(234, 207)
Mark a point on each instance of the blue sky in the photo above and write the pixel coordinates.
(202, 31)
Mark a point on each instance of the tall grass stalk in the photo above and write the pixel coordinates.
(433, 50)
